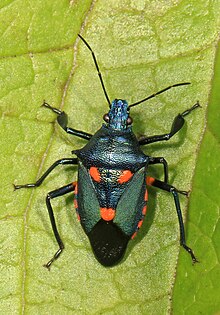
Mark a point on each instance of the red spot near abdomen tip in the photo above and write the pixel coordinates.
(107, 214)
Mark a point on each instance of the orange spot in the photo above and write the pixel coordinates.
(125, 176)
(75, 204)
(78, 217)
(133, 236)
(150, 180)
(75, 185)
(94, 173)
(144, 210)
(146, 195)
(140, 223)
(107, 214)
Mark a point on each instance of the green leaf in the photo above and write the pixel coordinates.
(141, 47)
(197, 290)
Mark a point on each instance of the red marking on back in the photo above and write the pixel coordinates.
(150, 180)
(75, 204)
(75, 199)
(94, 173)
(76, 187)
(107, 214)
(133, 236)
(125, 176)
(144, 210)
(140, 223)
(146, 195)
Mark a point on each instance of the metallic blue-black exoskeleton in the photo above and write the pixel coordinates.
(110, 195)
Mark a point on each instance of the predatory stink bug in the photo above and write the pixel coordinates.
(111, 192)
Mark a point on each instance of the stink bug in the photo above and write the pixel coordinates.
(111, 192)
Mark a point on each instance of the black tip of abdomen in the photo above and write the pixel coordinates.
(108, 242)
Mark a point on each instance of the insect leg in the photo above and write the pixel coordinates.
(161, 160)
(42, 178)
(62, 120)
(178, 123)
(162, 185)
(53, 194)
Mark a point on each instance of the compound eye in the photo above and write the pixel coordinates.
(129, 120)
(106, 118)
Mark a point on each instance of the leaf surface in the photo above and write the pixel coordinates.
(141, 47)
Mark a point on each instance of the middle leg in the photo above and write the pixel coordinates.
(161, 160)
(67, 161)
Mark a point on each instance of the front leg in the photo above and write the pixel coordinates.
(178, 123)
(62, 120)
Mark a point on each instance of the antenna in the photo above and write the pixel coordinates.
(97, 68)
(159, 92)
